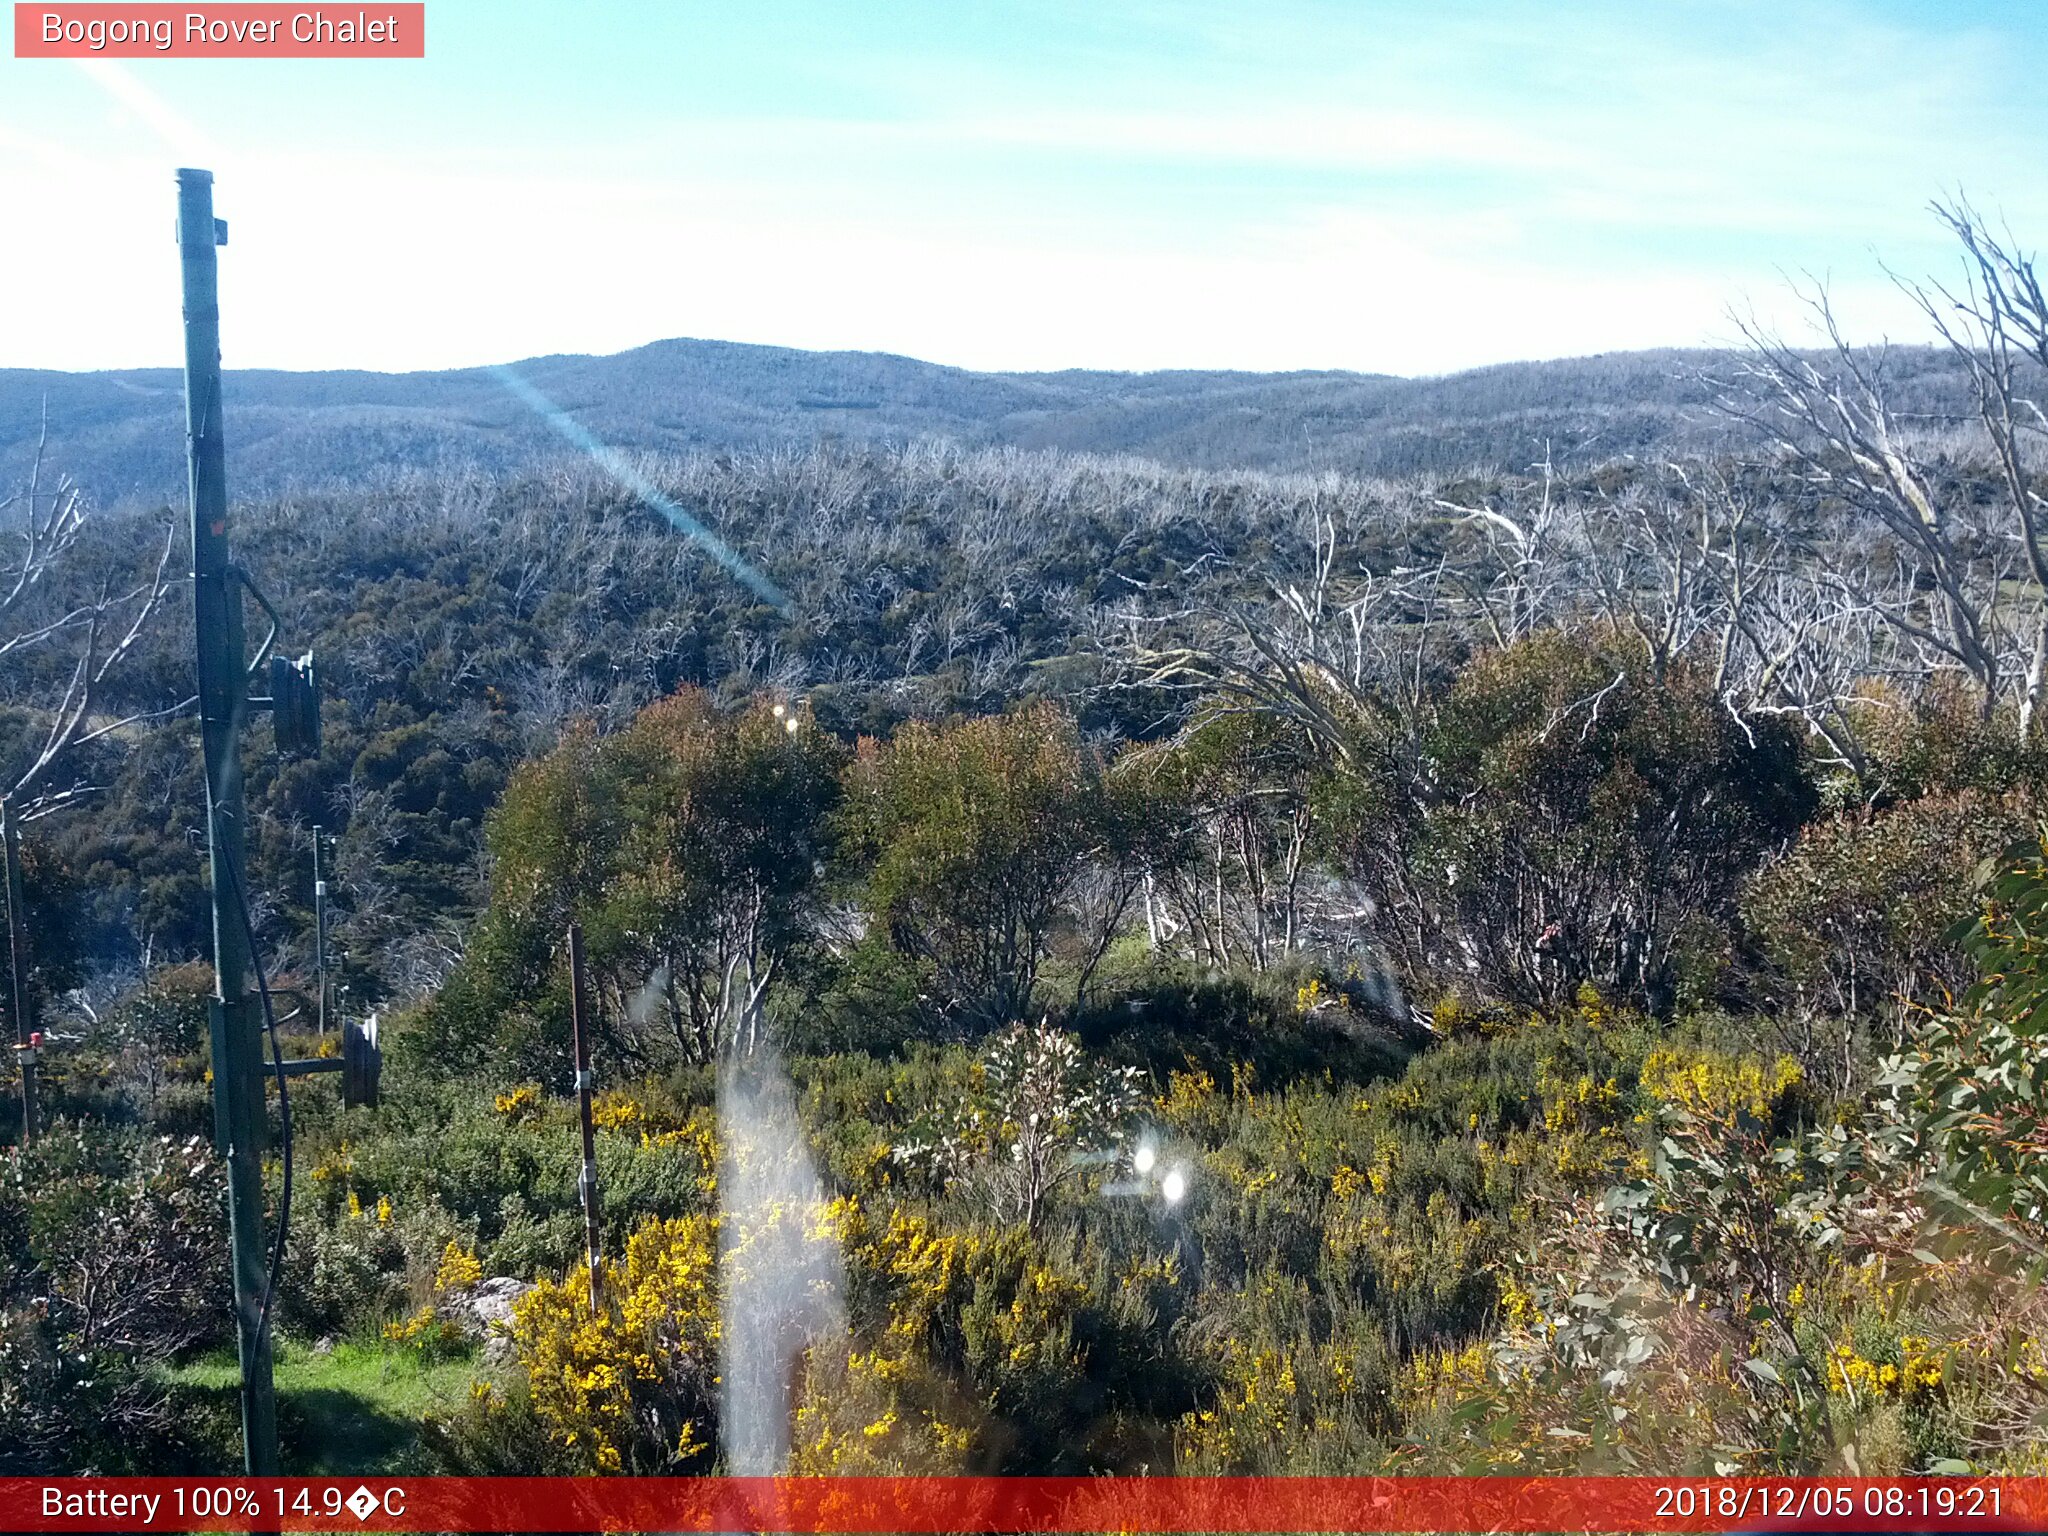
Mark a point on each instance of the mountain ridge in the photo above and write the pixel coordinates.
(119, 433)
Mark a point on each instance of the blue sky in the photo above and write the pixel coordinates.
(1385, 185)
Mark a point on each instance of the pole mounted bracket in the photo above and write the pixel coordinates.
(220, 234)
(247, 583)
(294, 701)
(295, 705)
(361, 1063)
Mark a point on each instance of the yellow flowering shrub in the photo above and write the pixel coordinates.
(616, 1111)
(1918, 1370)
(1434, 1375)
(634, 1385)
(1707, 1083)
(1518, 1307)
(1288, 1405)
(693, 1144)
(519, 1103)
(425, 1333)
(459, 1269)
(336, 1166)
(881, 1412)
(1580, 1102)
(1448, 1015)
(1257, 1407)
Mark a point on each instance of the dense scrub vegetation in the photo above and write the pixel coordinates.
(1514, 971)
(1427, 1246)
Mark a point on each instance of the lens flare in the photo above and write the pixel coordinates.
(571, 431)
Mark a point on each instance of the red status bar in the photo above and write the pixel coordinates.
(1024, 1504)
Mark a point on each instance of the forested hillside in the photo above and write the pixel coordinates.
(119, 432)
(1517, 968)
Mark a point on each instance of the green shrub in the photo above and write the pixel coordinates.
(113, 1262)
(967, 841)
(1856, 921)
(1568, 813)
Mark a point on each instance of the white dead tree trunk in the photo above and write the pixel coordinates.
(1834, 423)
(1996, 324)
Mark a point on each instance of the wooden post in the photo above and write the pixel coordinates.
(579, 1027)
(319, 938)
(17, 973)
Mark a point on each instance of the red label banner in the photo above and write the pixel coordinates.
(238, 31)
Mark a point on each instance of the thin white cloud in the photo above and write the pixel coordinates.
(1618, 190)
(1293, 136)
(464, 274)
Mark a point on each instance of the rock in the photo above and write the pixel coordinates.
(484, 1312)
(493, 1300)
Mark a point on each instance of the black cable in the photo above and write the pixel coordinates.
(284, 1100)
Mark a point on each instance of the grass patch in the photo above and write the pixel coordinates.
(354, 1408)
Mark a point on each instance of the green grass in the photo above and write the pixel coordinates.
(355, 1408)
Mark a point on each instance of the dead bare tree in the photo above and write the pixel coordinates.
(1996, 324)
(51, 523)
(1833, 421)
(1708, 559)
(105, 624)
(1961, 578)
(1311, 656)
(1518, 573)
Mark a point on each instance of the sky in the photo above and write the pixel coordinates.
(1395, 186)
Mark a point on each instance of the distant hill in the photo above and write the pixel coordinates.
(120, 433)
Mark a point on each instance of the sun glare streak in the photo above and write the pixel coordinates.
(180, 133)
(571, 431)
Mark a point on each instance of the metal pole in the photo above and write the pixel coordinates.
(17, 972)
(587, 1183)
(238, 1103)
(319, 936)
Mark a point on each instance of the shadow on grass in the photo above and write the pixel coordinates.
(353, 1408)
(329, 1431)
